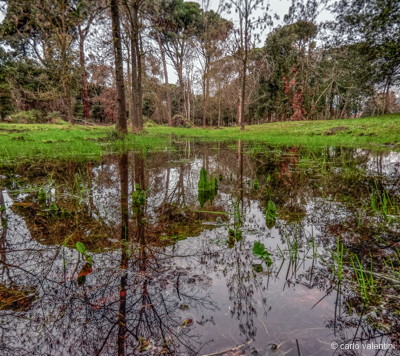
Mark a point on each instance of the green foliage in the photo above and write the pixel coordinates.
(138, 199)
(374, 23)
(286, 49)
(260, 252)
(382, 202)
(54, 117)
(28, 117)
(379, 132)
(81, 248)
(207, 187)
(179, 19)
(65, 142)
(365, 279)
(256, 184)
(337, 258)
(42, 197)
(271, 214)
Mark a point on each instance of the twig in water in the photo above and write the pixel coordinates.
(236, 348)
(298, 347)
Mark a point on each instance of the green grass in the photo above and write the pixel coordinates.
(371, 132)
(21, 141)
(27, 142)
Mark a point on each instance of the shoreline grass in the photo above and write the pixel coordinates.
(30, 141)
(382, 132)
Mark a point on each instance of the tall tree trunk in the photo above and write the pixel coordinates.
(206, 92)
(181, 83)
(166, 84)
(85, 90)
(386, 109)
(140, 87)
(134, 87)
(187, 102)
(136, 100)
(119, 74)
(219, 109)
(242, 95)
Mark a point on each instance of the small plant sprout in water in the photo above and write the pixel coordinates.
(271, 214)
(365, 279)
(87, 268)
(337, 261)
(293, 248)
(392, 265)
(383, 203)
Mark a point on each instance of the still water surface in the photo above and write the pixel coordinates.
(155, 253)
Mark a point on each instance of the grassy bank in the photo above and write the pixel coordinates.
(24, 141)
(75, 142)
(372, 132)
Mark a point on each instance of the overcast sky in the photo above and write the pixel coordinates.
(276, 7)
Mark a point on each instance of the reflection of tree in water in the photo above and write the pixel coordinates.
(148, 319)
(130, 302)
(137, 292)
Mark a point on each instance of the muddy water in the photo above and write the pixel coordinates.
(154, 253)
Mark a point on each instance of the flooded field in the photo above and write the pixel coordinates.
(202, 249)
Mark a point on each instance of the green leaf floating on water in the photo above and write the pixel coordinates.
(260, 252)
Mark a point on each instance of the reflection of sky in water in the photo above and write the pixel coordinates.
(198, 278)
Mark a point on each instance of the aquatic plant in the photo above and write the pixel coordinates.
(271, 214)
(365, 279)
(81, 248)
(260, 251)
(382, 202)
(337, 256)
(87, 268)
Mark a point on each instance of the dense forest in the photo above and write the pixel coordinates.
(111, 61)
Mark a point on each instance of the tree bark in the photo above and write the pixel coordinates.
(242, 96)
(119, 74)
(136, 112)
(85, 90)
(206, 91)
(166, 84)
